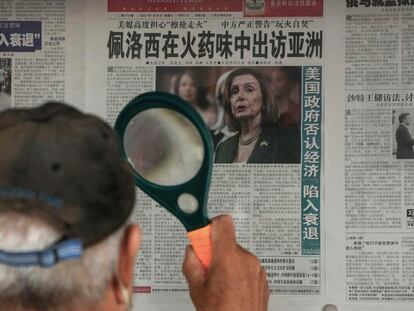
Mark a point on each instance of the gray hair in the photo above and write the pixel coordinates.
(69, 284)
(270, 113)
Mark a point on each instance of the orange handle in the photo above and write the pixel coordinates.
(201, 241)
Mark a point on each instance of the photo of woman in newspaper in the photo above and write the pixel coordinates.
(252, 112)
(278, 88)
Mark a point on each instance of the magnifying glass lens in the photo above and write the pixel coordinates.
(163, 146)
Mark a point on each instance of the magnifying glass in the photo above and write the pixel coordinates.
(170, 152)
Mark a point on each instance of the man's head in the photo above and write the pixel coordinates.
(65, 197)
(404, 118)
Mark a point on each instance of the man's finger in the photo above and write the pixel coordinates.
(193, 269)
(223, 236)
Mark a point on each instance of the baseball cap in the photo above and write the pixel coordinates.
(65, 167)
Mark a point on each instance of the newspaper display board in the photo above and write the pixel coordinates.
(334, 227)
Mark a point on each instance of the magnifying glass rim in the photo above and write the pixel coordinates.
(154, 100)
(167, 195)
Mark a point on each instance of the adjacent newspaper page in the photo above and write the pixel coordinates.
(379, 157)
(368, 189)
(41, 52)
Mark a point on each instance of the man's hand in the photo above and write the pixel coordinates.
(234, 281)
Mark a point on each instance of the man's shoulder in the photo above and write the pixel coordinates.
(402, 128)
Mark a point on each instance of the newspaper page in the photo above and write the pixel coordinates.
(379, 165)
(369, 257)
(41, 59)
(188, 48)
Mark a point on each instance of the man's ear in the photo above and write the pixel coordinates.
(127, 253)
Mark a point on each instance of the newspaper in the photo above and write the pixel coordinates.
(333, 228)
(379, 231)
